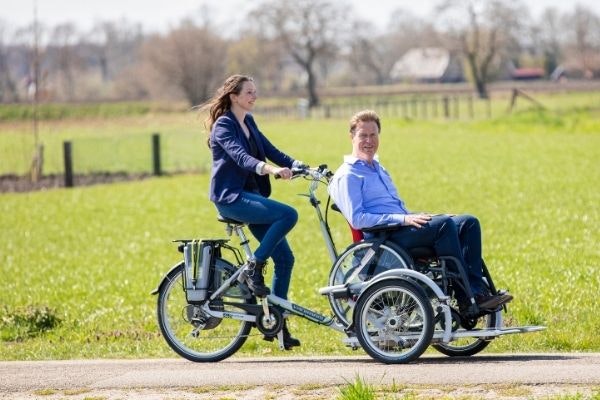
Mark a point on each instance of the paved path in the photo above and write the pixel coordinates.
(531, 369)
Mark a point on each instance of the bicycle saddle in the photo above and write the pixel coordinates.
(226, 220)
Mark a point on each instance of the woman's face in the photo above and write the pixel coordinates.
(245, 100)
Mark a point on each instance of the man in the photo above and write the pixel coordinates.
(365, 194)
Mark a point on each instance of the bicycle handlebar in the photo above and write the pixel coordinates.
(315, 173)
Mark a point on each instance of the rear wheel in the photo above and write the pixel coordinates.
(393, 321)
(190, 331)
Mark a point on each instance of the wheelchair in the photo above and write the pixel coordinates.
(365, 259)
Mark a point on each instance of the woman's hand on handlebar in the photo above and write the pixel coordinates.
(282, 173)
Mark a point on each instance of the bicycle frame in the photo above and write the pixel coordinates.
(292, 308)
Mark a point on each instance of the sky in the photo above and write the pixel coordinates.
(161, 15)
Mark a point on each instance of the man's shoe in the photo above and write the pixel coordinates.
(255, 279)
(492, 302)
(288, 340)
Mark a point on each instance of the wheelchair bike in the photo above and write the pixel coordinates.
(392, 302)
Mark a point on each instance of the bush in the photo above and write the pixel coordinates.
(25, 322)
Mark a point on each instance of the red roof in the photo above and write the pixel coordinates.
(524, 73)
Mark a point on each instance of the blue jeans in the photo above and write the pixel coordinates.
(457, 236)
(269, 221)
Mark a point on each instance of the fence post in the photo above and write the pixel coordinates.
(68, 160)
(156, 154)
(446, 102)
(471, 111)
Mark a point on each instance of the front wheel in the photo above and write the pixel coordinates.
(394, 321)
(189, 331)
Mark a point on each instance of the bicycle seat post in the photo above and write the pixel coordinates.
(244, 242)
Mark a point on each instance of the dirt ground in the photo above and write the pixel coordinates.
(313, 392)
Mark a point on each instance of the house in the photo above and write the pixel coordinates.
(428, 64)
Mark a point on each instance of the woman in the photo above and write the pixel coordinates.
(240, 184)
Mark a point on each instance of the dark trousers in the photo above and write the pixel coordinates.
(457, 236)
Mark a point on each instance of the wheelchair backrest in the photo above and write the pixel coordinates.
(357, 234)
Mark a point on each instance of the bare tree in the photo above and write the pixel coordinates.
(547, 36)
(310, 30)
(259, 57)
(115, 46)
(8, 87)
(584, 39)
(374, 55)
(490, 27)
(190, 58)
(66, 61)
(368, 55)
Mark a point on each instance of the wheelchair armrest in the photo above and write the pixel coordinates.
(382, 228)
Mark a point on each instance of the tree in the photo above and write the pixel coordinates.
(547, 35)
(115, 46)
(8, 87)
(482, 31)
(259, 57)
(190, 58)
(368, 55)
(66, 60)
(584, 39)
(374, 55)
(310, 30)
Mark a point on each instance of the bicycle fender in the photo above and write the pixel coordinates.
(165, 279)
(403, 273)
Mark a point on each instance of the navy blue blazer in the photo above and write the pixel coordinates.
(231, 161)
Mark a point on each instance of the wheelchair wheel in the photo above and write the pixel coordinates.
(468, 346)
(393, 321)
(388, 257)
(193, 334)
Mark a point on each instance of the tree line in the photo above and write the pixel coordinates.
(291, 47)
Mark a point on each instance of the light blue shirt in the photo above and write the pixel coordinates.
(366, 195)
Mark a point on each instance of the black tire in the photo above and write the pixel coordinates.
(393, 321)
(468, 346)
(186, 328)
(388, 257)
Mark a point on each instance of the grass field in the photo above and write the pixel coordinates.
(82, 262)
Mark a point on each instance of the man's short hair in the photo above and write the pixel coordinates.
(364, 116)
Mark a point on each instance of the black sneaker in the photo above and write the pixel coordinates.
(288, 340)
(492, 302)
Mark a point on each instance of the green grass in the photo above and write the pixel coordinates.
(92, 255)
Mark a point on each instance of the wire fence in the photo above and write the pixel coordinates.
(164, 153)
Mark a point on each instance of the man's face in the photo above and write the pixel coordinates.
(365, 141)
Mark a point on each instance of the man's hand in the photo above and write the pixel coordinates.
(416, 220)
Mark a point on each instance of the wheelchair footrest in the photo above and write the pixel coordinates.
(489, 333)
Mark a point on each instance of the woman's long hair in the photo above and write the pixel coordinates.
(221, 103)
